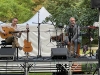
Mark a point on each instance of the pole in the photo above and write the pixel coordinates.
(99, 46)
(39, 50)
(26, 69)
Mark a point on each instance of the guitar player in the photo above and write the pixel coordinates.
(14, 38)
(72, 31)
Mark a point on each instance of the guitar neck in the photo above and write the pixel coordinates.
(16, 31)
(27, 34)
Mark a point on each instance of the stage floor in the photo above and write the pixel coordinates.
(42, 64)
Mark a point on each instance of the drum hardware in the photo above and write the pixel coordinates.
(50, 41)
(59, 39)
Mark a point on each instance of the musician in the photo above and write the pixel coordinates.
(13, 39)
(72, 31)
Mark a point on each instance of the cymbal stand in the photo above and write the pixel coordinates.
(50, 41)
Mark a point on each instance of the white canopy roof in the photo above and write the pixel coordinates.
(39, 17)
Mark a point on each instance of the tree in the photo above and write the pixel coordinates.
(62, 10)
(13, 8)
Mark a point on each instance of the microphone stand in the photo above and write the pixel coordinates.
(39, 50)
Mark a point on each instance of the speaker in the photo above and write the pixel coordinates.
(95, 3)
(7, 53)
(59, 53)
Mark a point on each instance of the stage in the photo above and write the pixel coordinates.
(42, 64)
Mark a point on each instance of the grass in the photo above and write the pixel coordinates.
(28, 74)
(40, 73)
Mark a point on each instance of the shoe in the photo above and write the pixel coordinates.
(20, 48)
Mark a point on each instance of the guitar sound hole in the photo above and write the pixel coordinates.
(27, 47)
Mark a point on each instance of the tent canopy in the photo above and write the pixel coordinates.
(39, 17)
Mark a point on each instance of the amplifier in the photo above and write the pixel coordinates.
(7, 54)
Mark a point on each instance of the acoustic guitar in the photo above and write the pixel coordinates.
(9, 32)
(27, 45)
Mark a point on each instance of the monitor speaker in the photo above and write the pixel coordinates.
(7, 53)
(59, 53)
(95, 3)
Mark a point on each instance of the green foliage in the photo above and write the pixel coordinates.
(89, 67)
(62, 10)
(14, 8)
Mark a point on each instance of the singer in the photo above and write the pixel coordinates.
(73, 32)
